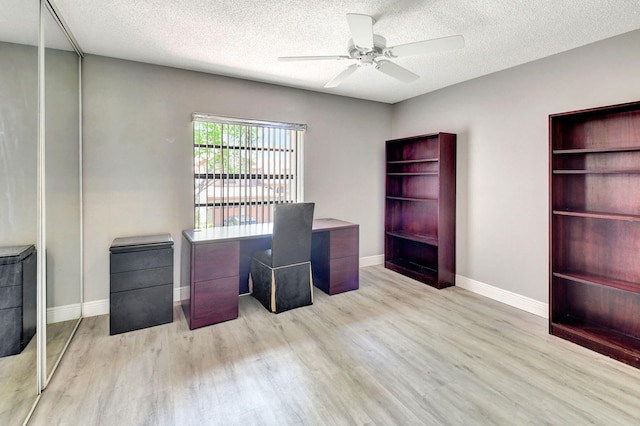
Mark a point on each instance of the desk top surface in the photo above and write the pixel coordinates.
(257, 230)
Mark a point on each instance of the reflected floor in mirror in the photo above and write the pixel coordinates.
(57, 336)
(393, 352)
(18, 386)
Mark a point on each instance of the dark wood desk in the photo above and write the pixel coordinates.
(215, 262)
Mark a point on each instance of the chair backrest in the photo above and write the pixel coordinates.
(291, 240)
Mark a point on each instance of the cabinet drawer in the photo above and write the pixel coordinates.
(344, 243)
(215, 301)
(137, 260)
(216, 260)
(131, 280)
(11, 297)
(10, 331)
(10, 275)
(140, 308)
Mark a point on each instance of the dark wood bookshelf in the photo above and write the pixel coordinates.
(420, 208)
(411, 269)
(599, 215)
(597, 280)
(416, 200)
(600, 339)
(594, 277)
(432, 241)
(418, 160)
(413, 174)
(596, 150)
(586, 172)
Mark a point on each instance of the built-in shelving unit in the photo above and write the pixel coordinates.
(420, 208)
(595, 229)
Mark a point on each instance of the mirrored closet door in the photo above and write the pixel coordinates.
(62, 219)
(19, 33)
(41, 204)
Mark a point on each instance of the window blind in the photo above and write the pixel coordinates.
(243, 167)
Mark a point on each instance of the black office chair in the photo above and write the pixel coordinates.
(280, 277)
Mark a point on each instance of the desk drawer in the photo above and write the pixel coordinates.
(344, 274)
(216, 260)
(214, 301)
(344, 243)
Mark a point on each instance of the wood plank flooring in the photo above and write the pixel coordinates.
(393, 352)
(57, 336)
(18, 384)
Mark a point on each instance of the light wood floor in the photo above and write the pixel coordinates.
(393, 352)
(18, 384)
(57, 336)
(18, 381)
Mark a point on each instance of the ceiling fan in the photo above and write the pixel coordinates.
(370, 49)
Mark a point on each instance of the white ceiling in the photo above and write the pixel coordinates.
(243, 38)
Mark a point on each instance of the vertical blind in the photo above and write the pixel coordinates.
(243, 167)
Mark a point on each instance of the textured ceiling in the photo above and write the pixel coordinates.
(243, 38)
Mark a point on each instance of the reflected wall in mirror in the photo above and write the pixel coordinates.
(19, 22)
(62, 190)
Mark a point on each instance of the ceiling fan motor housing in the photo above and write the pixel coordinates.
(366, 56)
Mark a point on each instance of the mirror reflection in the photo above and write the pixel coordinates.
(18, 214)
(62, 189)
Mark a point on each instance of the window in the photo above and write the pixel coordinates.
(242, 168)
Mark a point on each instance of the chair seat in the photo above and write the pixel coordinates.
(263, 256)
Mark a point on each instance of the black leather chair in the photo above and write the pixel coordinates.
(281, 277)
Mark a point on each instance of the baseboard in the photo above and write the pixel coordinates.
(95, 308)
(507, 297)
(180, 293)
(372, 260)
(101, 307)
(512, 299)
(64, 313)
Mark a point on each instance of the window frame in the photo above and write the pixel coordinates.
(281, 145)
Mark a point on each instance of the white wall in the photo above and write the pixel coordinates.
(138, 153)
(137, 159)
(502, 126)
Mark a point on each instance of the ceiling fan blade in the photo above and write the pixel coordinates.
(396, 71)
(335, 82)
(313, 58)
(426, 46)
(361, 27)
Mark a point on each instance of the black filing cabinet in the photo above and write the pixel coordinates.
(17, 298)
(141, 282)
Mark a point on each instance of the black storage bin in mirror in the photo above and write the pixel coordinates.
(17, 298)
